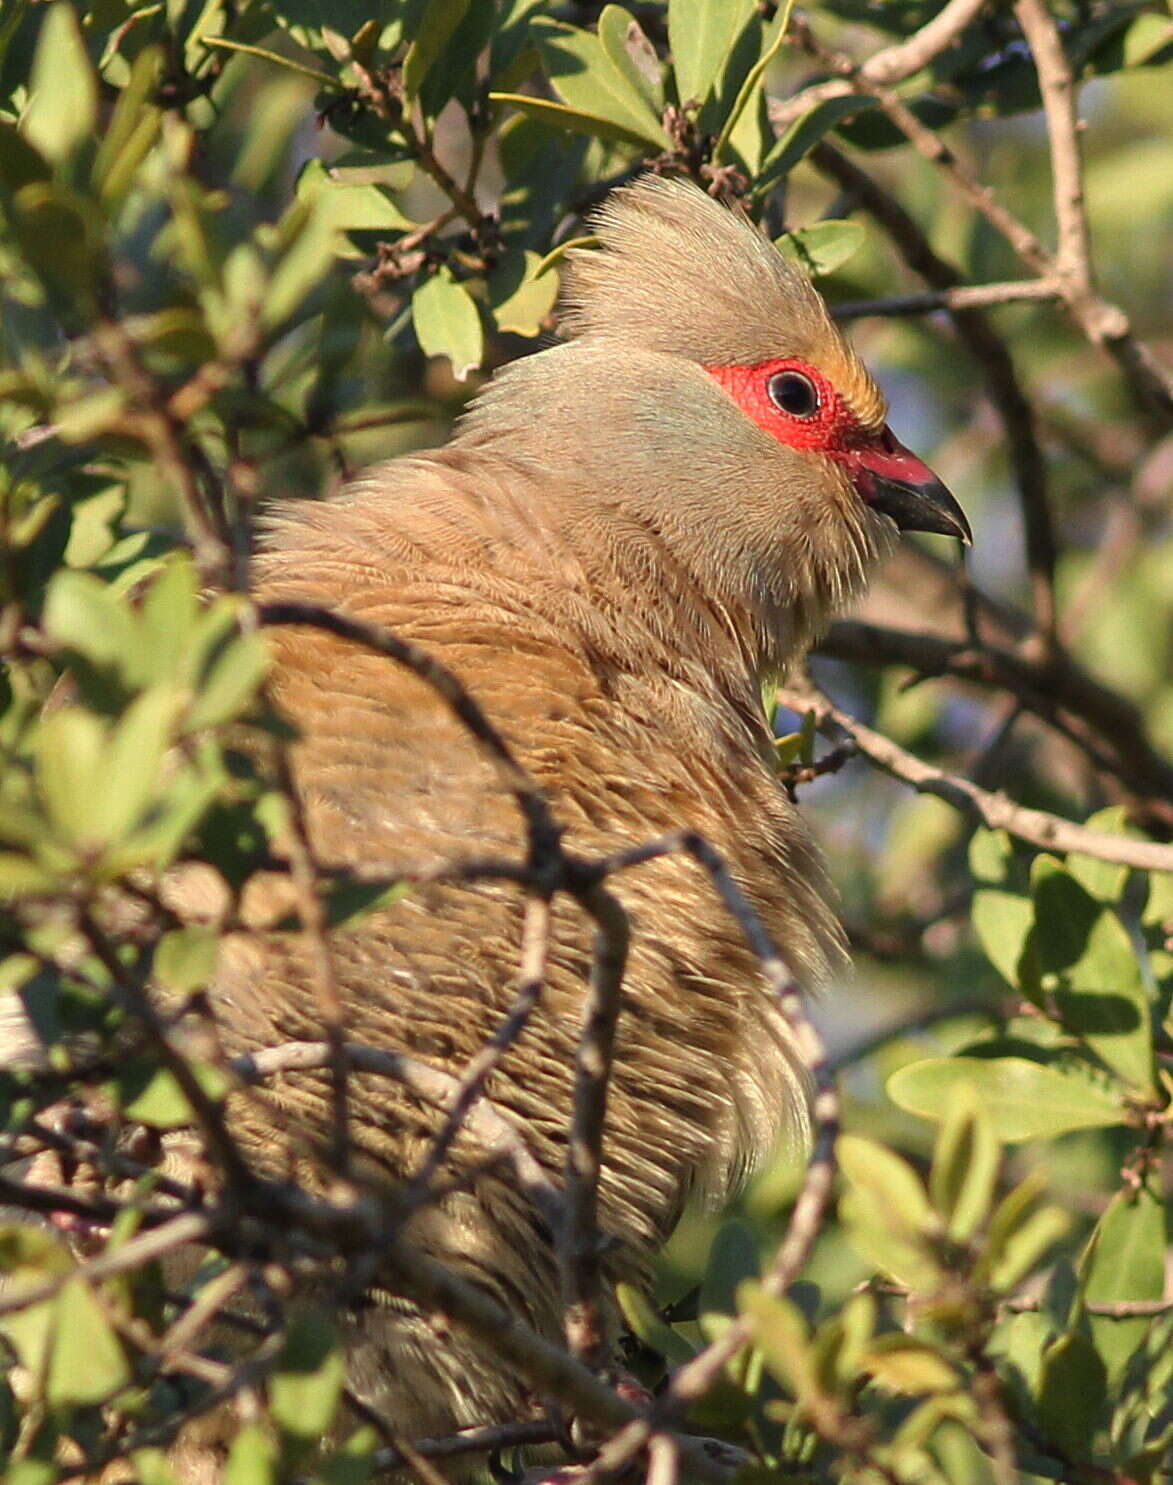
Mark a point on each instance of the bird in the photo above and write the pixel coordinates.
(629, 532)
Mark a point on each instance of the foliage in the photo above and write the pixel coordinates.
(244, 249)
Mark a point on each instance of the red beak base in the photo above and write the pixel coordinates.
(892, 480)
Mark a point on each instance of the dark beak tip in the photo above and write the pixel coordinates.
(925, 507)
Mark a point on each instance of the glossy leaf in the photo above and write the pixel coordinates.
(901, 1364)
(802, 136)
(586, 78)
(701, 34)
(521, 294)
(87, 1363)
(1072, 1393)
(1124, 1260)
(431, 33)
(448, 323)
(1025, 1100)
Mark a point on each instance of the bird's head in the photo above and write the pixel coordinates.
(706, 392)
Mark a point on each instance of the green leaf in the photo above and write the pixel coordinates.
(965, 1165)
(1002, 922)
(1146, 38)
(310, 243)
(133, 761)
(804, 134)
(231, 684)
(83, 418)
(351, 206)
(1125, 1260)
(62, 110)
(150, 1094)
(900, 1364)
(780, 1333)
(1079, 953)
(701, 34)
(650, 1327)
(1025, 1100)
(632, 54)
(252, 1459)
(307, 1386)
(432, 33)
(823, 247)
(132, 131)
(70, 747)
(887, 1177)
(1072, 1394)
(575, 120)
(840, 1343)
(991, 858)
(521, 293)
(87, 1363)
(1104, 880)
(586, 78)
(887, 1213)
(185, 958)
(82, 613)
(733, 1259)
(1026, 1246)
(447, 323)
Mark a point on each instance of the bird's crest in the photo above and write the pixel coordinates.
(677, 273)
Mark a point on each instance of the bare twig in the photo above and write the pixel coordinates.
(1104, 324)
(578, 1237)
(1099, 719)
(1049, 832)
(209, 1114)
(891, 65)
(136, 1252)
(964, 296)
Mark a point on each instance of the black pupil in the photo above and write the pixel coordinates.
(793, 393)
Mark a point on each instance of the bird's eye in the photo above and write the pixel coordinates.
(792, 392)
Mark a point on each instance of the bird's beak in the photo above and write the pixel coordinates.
(891, 479)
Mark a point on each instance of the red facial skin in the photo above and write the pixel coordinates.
(832, 429)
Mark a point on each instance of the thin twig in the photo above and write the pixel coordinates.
(208, 1113)
(964, 296)
(136, 1252)
(1098, 718)
(1048, 832)
(578, 1237)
